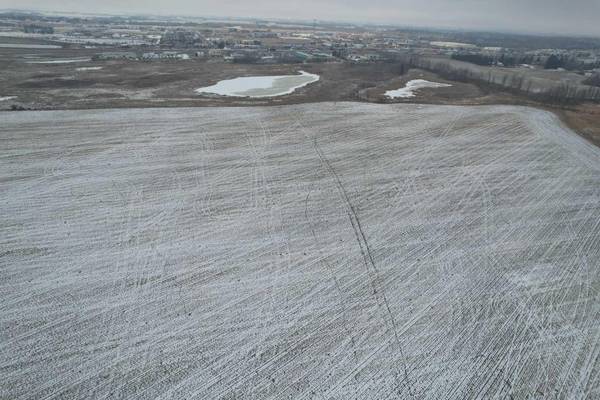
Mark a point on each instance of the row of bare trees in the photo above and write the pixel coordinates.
(521, 82)
(593, 80)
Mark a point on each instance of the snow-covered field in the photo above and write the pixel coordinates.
(453, 45)
(412, 86)
(75, 40)
(325, 251)
(260, 86)
(28, 46)
(60, 61)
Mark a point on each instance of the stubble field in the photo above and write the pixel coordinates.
(324, 251)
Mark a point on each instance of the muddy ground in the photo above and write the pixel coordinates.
(583, 119)
(172, 84)
(129, 84)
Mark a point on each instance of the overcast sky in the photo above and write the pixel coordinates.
(542, 16)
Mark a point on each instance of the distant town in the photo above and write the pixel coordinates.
(544, 69)
(244, 41)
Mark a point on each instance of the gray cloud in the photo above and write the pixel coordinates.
(543, 16)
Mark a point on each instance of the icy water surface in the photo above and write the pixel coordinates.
(260, 86)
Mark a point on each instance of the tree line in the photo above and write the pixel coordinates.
(518, 82)
(554, 61)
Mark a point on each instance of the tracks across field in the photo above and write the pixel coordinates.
(326, 251)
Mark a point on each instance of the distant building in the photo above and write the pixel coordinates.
(218, 52)
(320, 57)
(291, 56)
(115, 56)
(265, 34)
(364, 58)
(453, 45)
(268, 59)
(167, 55)
(181, 38)
(150, 56)
(40, 29)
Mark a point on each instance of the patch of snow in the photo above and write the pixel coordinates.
(412, 86)
(453, 45)
(28, 46)
(88, 69)
(260, 86)
(7, 98)
(60, 61)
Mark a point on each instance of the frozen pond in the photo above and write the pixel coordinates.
(260, 86)
(412, 86)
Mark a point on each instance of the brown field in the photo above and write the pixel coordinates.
(126, 84)
(585, 120)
